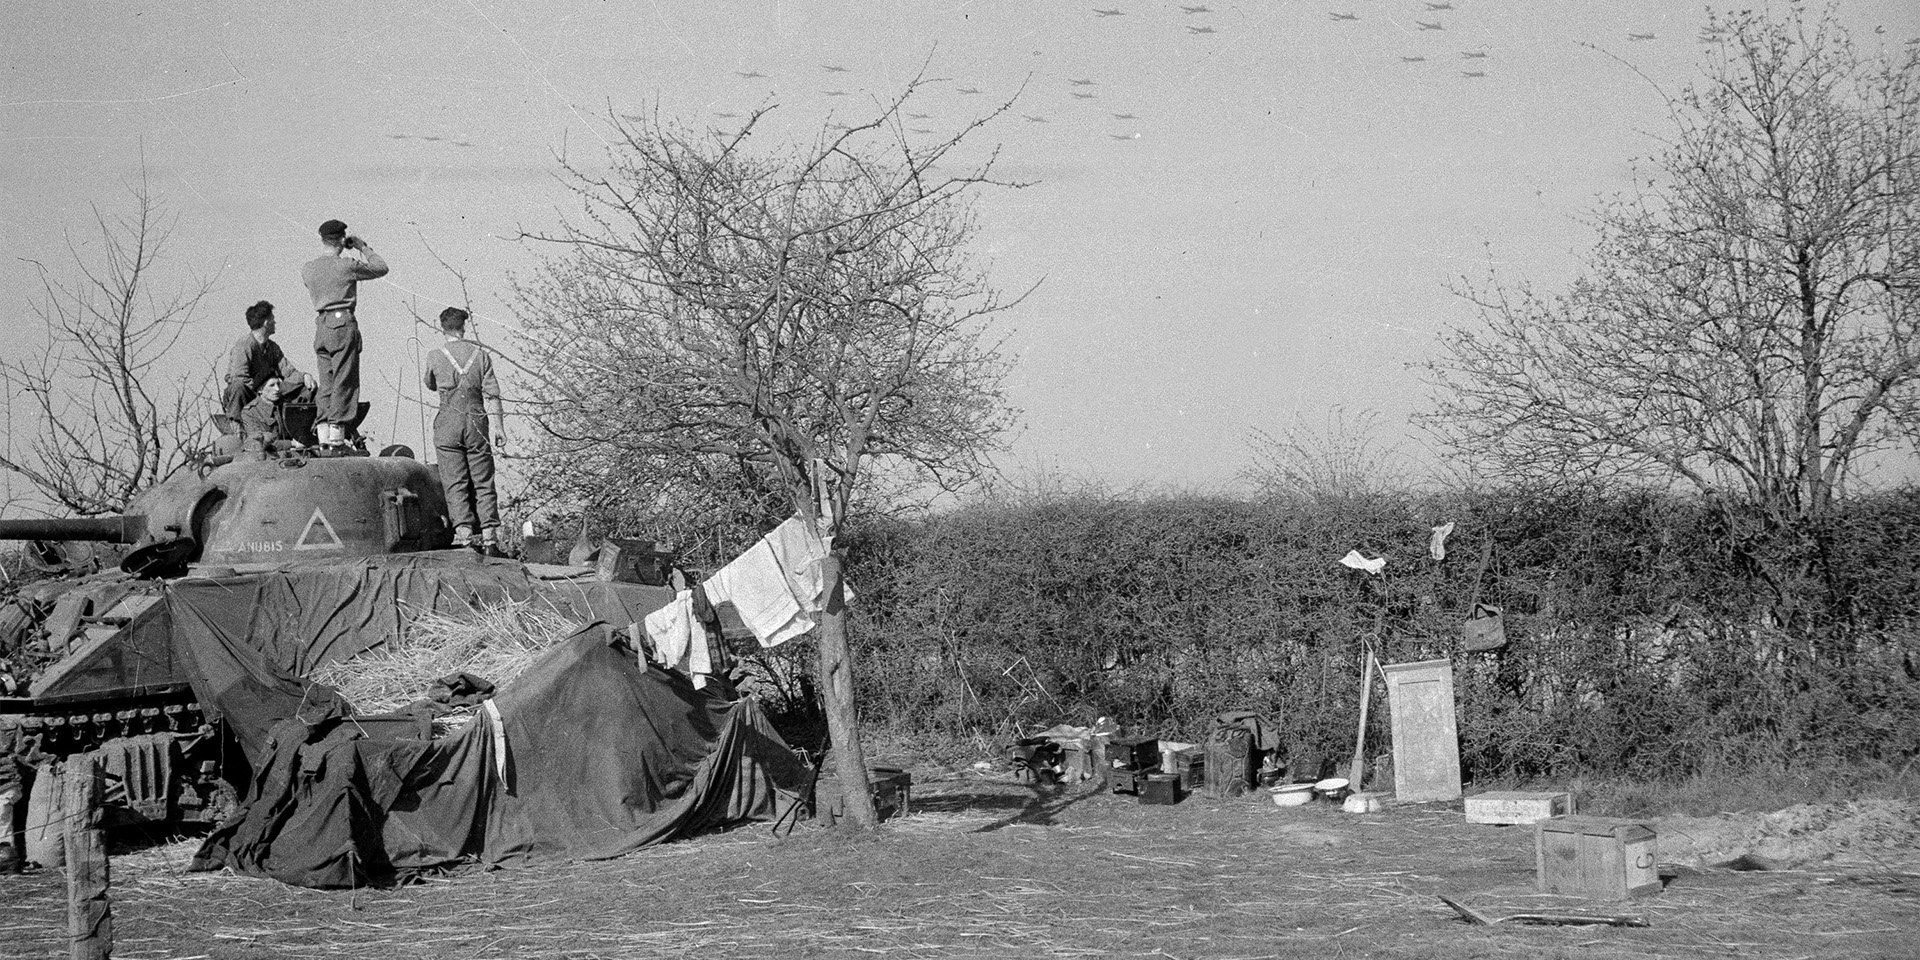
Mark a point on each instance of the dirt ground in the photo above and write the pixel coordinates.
(985, 867)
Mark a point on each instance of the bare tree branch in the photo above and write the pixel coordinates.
(109, 413)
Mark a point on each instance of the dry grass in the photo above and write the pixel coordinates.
(984, 867)
(494, 642)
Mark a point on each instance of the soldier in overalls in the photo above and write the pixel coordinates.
(462, 372)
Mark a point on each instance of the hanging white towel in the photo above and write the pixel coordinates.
(776, 585)
(1437, 544)
(1357, 561)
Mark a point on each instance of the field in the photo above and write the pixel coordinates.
(983, 866)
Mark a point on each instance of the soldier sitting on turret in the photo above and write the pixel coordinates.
(260, 382)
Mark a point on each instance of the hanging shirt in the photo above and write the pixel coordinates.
(679, 641)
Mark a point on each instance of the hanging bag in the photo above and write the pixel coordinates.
(1485, 630)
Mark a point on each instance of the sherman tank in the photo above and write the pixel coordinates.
(87, 659)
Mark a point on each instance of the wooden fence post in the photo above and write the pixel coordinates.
(89, 905)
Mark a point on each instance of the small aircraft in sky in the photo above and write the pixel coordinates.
(1083, 96)
(969, 89)
(1428, 26)
(838, 126)
(423, 137)
(400, 136)
(1473, 73)
(728, 116)
(1343, 16)
(1108, 13)
(834, 93)
(1413, 59)
(1125, 116)
(921, 130)
(1201, 30)
(830, 68)
(1473, 54)
(462, 143)
(749, 74)
(1196, 9)
(1081, 83)
(1124, 136)
(919, 116)
(1033, 119)
(1439, 6)
(1639, 36)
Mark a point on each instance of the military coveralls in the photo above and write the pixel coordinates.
(462, 371)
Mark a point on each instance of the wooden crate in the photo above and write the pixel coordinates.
(1598, 857)
(1517, 806)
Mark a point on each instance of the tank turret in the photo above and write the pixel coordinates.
(88, 664)
(275, 511)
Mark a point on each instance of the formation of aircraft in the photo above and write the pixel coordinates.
(1190, 10)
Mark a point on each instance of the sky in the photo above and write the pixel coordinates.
(1240, 216)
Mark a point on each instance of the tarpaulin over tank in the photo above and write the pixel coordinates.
(602, 756)
(247, 641)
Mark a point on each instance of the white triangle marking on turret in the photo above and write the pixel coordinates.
(318, 519)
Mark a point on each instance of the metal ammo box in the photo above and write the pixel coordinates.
(892, 794)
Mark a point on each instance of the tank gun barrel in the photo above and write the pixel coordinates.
(121, 529)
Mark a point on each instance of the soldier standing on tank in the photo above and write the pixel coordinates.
(462, 372)
(260, 379)
(333, 281)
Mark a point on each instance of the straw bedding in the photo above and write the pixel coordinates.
(494, 642)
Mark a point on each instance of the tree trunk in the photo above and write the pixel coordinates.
(836, 689)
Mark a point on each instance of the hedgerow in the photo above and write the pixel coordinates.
(1649, 634)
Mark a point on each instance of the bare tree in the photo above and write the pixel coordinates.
(1746, 323)
(805, 322)
(109, 414)
(1340, 459)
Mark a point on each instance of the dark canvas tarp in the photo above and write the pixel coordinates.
(249, 640)
(602, 754)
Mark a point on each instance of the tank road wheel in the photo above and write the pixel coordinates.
(46, 840)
